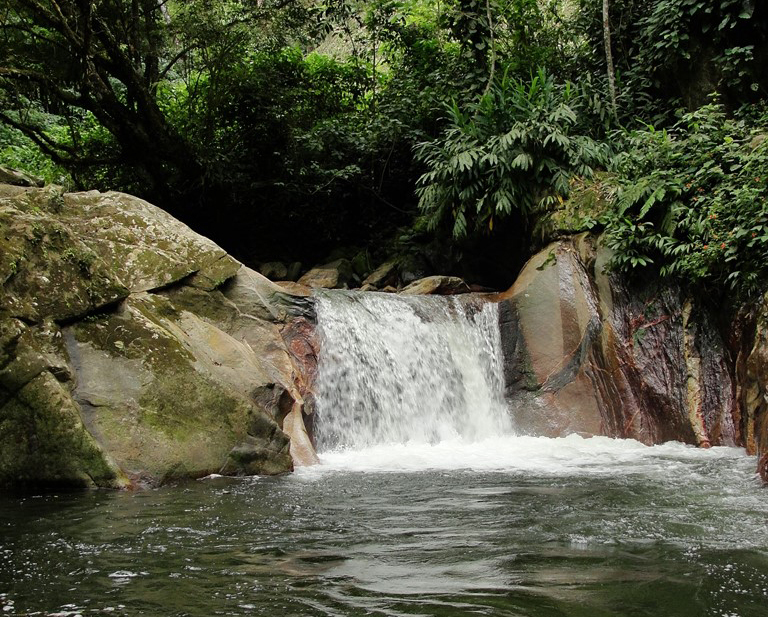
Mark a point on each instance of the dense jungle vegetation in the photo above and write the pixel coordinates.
(456, 134)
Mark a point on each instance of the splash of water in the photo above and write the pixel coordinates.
(395, 370)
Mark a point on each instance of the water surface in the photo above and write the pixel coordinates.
(506, 527)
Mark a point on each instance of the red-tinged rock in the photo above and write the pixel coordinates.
(586, 353)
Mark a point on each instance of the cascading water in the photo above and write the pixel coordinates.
(398, 369)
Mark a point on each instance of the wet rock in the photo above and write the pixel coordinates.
(384, 275)
(587, 353)
(302, 341)
(752, 391)
(262, 299)
(334, 275)
(303, 344)
(436, 285)
(295, 289)
(133, 350)
(302, 450)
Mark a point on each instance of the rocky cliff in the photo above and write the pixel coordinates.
(133, 350)
(590, 353)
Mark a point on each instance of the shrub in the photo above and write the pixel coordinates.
(692, 201)
(513, 153)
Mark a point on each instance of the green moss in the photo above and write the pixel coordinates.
(45, 271)
(121, 334)
(212, 306)
(184, 404)
(551, 260)
(215, 274)
(587, 202)
(43, 441)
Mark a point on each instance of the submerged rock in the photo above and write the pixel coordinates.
(133, 350)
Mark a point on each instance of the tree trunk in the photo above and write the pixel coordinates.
(609, 56)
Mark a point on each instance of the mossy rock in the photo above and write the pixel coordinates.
(168, 394)
(144, 246)
(101, 380)
(28, 351)
(588, 201)
(43, 441)
(63, 255)
(45, 270)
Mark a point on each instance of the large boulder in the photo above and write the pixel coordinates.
(587, 353)
(135, 351)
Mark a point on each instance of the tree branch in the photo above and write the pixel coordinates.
(39, 140)
(44, 80)
(176, 58)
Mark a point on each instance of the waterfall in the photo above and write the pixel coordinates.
(407, 369)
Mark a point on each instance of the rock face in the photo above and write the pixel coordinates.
(587, 354)
(750, 345)
(133, 350)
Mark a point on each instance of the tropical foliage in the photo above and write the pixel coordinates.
(288, 129)
(512, 153)
(694, 200)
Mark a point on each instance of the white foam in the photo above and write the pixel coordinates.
(520, 454)
(416, 383)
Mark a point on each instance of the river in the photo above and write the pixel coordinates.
(515, 526)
